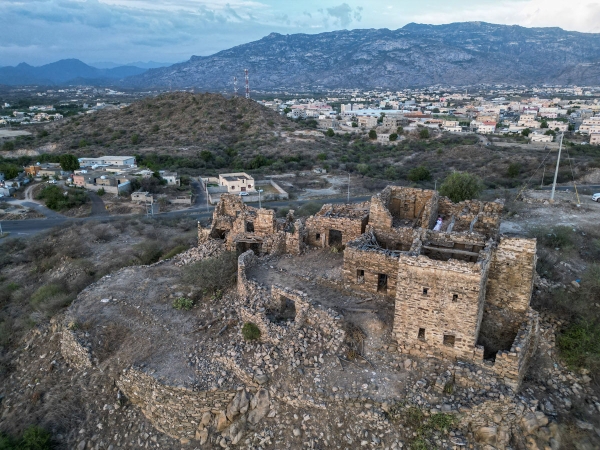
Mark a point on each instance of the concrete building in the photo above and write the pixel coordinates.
(595, 139)
(170, 177)
(237, 182)
(142, 197)
(107, 161)
(537, 137)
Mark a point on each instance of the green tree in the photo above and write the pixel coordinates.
(69, 162)
(400, 130)
(287, 110)
(372, 135)
(82, 143)
(393, 137)
(330, 132)
(424, 133)
(526, 132)
(571, 127)
(544, 124)
(514, 169)
(8, 145)
(420, 173)
(363, 168)
(354, 125)
(206, 155)
(322, 156)
(436, 110)
(10, 171)
(459, 186)
(390, 173)
(135, 139)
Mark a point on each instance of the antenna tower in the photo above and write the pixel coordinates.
(235, 88)
(247, 83)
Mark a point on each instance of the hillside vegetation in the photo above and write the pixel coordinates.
(174, 120)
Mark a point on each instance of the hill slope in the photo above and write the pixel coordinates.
(63, 72)
(415, 55)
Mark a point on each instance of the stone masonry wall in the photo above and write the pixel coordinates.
(443, 298)
(509, 288)
(350, 227)
(372, 263)
(73, 351)
(176, 411)
(488, 215)
(418, 205)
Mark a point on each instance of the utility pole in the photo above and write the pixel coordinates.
(348, 201)
(247, 83)
(259, 205)
(556, 171)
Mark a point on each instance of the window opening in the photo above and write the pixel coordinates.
(250, 227)
(382, 282)
(425, 290)
(454, 297)
(421, 333)
(449, 340)
(360, 276)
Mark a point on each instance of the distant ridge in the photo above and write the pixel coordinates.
(63, 72)
(464, 53)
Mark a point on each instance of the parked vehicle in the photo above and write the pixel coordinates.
(243, 194)
(596, 197)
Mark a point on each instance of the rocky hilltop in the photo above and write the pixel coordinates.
(415, 55)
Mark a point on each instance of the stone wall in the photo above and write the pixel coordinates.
(350, 220)
(488, 215)
(511, 365)
(396, 203)
(73, 351)
(509, 288)
(439, 305)
(362, 270)
(176, 411)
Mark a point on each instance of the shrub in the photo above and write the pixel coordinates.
(393, 137)
(135, 139)
(183, 303)
(69, 162)
(330, 132)
(579, 345)
(35, 438)
(559, 236)
(174, 251)
(424, 133)
(213, 274)
(308, 209)
(148, 252)
(8, 145)
(322, 156)
(45, 292)
(101, 192)
(459, 186)
(525, 132)
(514, 169)
(250, 331)
(56, 199)
(372, 135)
(420, 173)
(400, 130)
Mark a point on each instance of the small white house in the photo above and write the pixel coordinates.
(536, 137)
(237, 182)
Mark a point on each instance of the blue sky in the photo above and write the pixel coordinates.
(42, 31)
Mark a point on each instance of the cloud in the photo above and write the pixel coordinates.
(342, 14)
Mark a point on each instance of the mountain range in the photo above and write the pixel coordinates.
(465, 53)
(65, 71)
(460, 54)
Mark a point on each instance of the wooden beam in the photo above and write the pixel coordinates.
(450, 250)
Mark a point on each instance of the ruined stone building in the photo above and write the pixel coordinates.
(462, 292)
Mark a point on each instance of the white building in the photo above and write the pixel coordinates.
(108, 161)
(536, 137)
(237, 182)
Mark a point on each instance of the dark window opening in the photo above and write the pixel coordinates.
(219, 234)
(449, 340)
(250, 227)
(421, 333)
(242, 247)
(382, 282)
(360, 276)
(454, 297)
(335, 238)
(285, 311)
(425, 291)
(318, 236)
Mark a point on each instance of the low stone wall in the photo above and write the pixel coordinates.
(76, 354)
(512, 365)
(176, 411)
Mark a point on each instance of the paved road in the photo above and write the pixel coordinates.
(594, 187)
(33, 226)
(98, 207)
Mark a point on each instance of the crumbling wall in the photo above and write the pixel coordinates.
(400, 238)
(487, 215)
(512, 365)
(73, 351)
(363, 267)
(403, 206)
(350, 220)
(509, 288)
(295, 237)
(175, 411)
(439, 305)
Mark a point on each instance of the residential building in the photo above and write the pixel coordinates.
(367, 121)
(595, 139)
(537, 137)
(237, 182)
(554, 124)
(32, 170)
(383, 138)
(107, 161)
(170, 177)
(142, 197)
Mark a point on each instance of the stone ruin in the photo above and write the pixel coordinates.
(461, 293)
